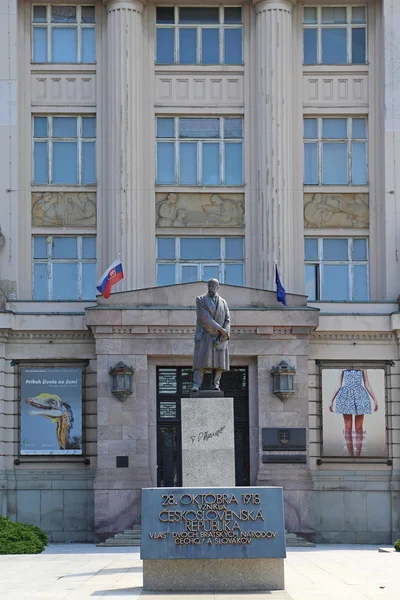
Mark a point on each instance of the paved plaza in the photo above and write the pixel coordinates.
(84, 572)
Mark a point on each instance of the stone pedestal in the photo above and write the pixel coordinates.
(208, 442)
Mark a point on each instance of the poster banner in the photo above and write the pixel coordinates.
(353, 413)
(51, 411)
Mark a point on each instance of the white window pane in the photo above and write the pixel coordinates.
(234, 274)
(334, 163)
(88, 14)
(89, 127)
(165, 274)
(165, 46)
(359, 249)
(65, 281)
(310, 163)
(40, 247)
(189, 273)
(234, 248)
(39, 14)
(335, 249)
(88, 281)
(64, 247)
(187, 46)
(310, 15)
(39, 44)
(334, 46)
(310, 46)
(88, 45)
(200, 248)
(40, 280)
(65, 162)
(89, 247)
(233, 47)
(211, 166)
(310, 129)
(359, 128)
(63, 14)
(210, 272)
(165, 128)
(334, 128)
(64, 127)
(358, 46)
(359, 163)
(360, 283)
(165, 162)
(198, 16)
(311, 282)
(89, 162)
(311, 248)
(334, 14)
(358, 14)
(199, 128)
(166, 248)
(233, 14)
(188, 163)
(233, 128)
(233, 164)
(40, 127)
(336, 283)
(210, 46)
(63, 45)
(40, 164)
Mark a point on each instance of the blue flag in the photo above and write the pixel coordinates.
(280, 290)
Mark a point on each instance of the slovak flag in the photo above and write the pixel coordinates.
(110, 277)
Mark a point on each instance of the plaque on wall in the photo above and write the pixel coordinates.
(284, 458)
(284, 438)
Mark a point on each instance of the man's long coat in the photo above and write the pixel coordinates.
(210, 352)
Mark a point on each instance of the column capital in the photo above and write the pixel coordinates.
(286, 5)
(137, 5)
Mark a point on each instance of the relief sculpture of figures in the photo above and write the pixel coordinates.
(185, 209)
(60, 209)
(336, 210)
(211, 351)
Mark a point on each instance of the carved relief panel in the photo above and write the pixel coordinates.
(336, 210)
(199, 210)
(61, 209)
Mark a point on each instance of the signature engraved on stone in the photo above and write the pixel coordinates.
(204, 436)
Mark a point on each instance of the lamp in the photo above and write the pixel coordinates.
(283, 380)
(121, 380)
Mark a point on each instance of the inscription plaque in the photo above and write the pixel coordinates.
(284, 458)
(199, 523)
(284, 438)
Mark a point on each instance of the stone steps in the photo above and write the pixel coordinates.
(131, 537)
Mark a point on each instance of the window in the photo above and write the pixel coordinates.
(186, 259)
(336, 269)
(64, 150)
(64, 268)
(334, 35)
(335, 151)
(63, 34)
(199, 151)
(192, 35)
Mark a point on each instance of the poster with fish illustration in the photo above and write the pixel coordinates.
(51, 411)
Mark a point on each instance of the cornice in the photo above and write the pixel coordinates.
(46, 335)
(349, 337)
(136, 5)
(285, 5)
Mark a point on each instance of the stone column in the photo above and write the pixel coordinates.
(279, 212)
(121, 210)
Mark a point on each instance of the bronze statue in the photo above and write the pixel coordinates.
(211, 337)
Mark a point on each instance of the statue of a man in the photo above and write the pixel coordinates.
(211, 338)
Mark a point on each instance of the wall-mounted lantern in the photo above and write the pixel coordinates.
(283, 380)
(121, 376)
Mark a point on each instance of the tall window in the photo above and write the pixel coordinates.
(64, 150)
(199, 151)
(63, 34)
(192, 35)
(186, 259)
(64, 268)
(335, 151)
(336, 269)
(335, 35)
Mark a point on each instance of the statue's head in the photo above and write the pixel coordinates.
(213, 287)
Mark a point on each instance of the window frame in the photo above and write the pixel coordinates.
(320, 263)
(349, 140)
(50, 261)
(221, 141)
(221, 263)
(50, 139)
(221, 26)
(48, 25)
(349, 26)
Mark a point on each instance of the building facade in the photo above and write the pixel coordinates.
(199, 141)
